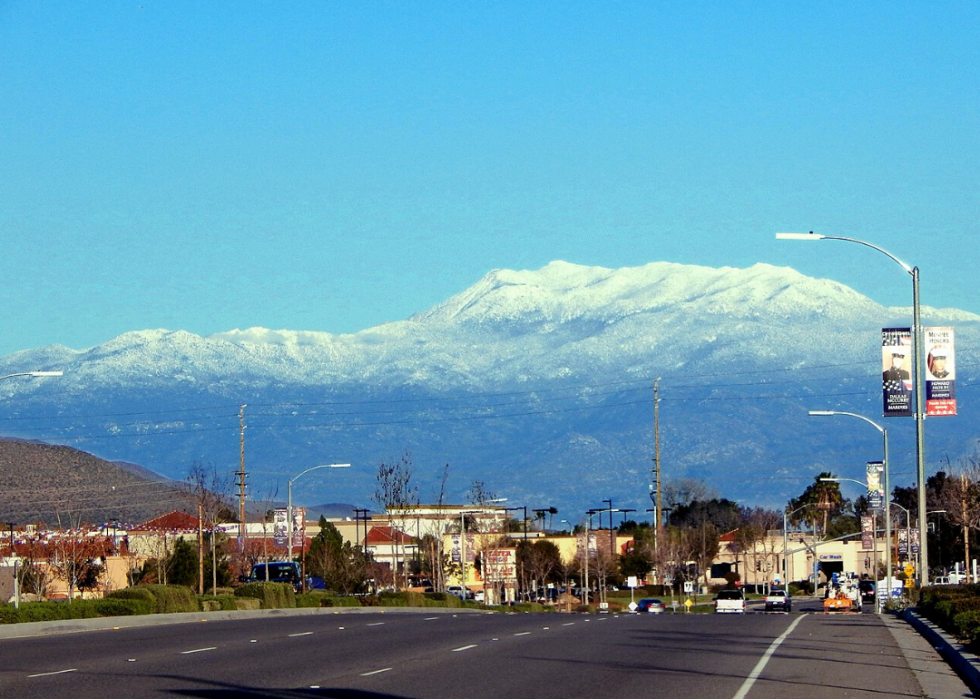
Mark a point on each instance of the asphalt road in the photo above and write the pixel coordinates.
(423, 655)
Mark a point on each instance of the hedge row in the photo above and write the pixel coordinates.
(169, 599)
(79, 609)
(271, 595)
(955, 609)
(162, 599)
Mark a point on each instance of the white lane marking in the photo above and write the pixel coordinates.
(375, 672)
(430, 618)
(377, 623)
(305, 633)
(457, 650)
(57, 672)
(199, 650)
(571, 623)
(760, 666)
(523, 633)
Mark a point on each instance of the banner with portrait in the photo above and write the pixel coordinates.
(896, 372)
(279, 522)
(940, 371)
(876, 492)
(903, 542)
(299, 527)
(867, 532)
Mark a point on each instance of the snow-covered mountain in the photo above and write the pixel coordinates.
(536, 382)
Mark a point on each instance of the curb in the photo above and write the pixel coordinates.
(966, 664)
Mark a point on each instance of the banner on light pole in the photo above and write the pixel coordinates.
(876, 493)
(279, 528)
(940, 371)
(896, 372)
(867, 532)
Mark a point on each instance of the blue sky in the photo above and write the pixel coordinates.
(333, 166)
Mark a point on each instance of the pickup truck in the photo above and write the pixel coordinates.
(730, 602)
(778, 600)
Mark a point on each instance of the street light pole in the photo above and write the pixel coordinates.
(36, 374)
(888, 494)
(289, 498)
(919, 415)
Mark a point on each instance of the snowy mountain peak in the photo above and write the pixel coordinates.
(562, 291)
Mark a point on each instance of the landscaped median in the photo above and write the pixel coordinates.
(172, 599)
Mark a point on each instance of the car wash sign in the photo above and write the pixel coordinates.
(940, 371)
(896, 372)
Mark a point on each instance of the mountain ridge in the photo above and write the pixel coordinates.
(544, 336)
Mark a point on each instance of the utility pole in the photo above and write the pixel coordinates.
(241, 480)
(656, 462)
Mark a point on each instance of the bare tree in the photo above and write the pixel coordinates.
(960, 497)
(394, 493)
(209, 489)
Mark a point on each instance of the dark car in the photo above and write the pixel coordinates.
(650, 605)
(867, 588)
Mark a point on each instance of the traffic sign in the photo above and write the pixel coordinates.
(909, 570)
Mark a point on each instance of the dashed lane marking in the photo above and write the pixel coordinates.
(199, 650)
(376, 672)
(305, 633)
(457, 650)
(56, 672)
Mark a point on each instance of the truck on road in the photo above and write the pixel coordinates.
(730, 601)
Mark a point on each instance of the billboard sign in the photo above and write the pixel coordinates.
(940, 371)
(501, 565)
(896, 372)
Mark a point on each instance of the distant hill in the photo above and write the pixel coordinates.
(61, 486)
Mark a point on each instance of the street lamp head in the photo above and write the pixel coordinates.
(830, 480)
(821, 413)
(46, 373)
(799, 236)
(333, 466)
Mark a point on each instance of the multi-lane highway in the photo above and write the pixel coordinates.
(426, 655)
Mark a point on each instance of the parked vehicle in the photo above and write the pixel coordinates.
(650, 605)
(460, 592)
(278, 571)
(778, 600)
(730, 602)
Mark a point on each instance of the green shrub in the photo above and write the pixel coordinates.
(967, 627)
(272, 595)
(442, 599)
(221, 603)
(528, 607)
(166, 599)
(120, 607)
(393, 599)
(79, 609)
